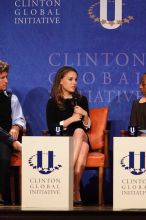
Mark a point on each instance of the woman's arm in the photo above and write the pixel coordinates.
(54, 117)
(74, 118)
(84, 111)
(51, 115)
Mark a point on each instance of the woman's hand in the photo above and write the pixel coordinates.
(79, 110)
(83, 114)
(76, 117)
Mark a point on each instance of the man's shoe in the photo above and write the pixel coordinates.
(2, 202)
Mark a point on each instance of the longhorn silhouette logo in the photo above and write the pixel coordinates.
(103, 14)
(37, 162)
(135, 163)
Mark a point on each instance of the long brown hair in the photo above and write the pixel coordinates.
(56, 91)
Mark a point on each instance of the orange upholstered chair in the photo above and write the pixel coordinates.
(15, 178)
(98, 136)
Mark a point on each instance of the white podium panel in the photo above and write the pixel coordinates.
(129, 180)
(47, 173)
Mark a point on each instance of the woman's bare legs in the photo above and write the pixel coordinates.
(81, 148)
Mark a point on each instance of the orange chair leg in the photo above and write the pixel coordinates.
(12, 187)
(20, 184)
(100, 182)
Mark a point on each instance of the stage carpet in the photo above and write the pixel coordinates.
(82, 213)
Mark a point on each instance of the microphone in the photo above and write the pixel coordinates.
(75, 99)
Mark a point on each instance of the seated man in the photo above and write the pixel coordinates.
(138, 112)
(12, 123)
(6, 138)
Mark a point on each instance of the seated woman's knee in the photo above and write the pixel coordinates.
(79, 132)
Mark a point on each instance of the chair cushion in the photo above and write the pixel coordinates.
(95, 159)
(16, 159)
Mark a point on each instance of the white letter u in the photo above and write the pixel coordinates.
(103, 14)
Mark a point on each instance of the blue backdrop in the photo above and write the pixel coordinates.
(39, 36)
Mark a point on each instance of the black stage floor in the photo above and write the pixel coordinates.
(82, 213)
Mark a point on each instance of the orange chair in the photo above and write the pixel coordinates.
(98, 137)
(15, 178)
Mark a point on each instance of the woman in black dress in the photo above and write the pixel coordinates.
(68, 109)
(138, 112)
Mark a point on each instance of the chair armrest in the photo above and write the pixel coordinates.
(124, 133)
(106, 140)
(44, 132)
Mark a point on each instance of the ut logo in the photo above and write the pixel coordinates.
(135, 163)
(132, 130)
(103, 14)
(104, 10)
(44, 162)
(40, 159)
(141, 161)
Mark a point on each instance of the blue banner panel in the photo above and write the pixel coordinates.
(103, 39)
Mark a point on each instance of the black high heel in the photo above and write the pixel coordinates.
(78, 203)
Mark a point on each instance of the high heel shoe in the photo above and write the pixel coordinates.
(77, 198)
(78, 203)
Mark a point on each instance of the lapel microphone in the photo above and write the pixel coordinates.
(75, 99)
